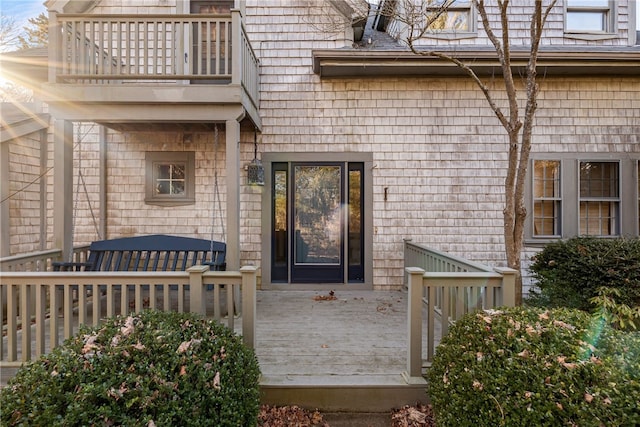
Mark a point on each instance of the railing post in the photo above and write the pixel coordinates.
(197, 303)
(508, 288)
(236, 47)
(249, 285)
(414, 322)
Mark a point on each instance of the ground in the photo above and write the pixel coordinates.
(290, 416)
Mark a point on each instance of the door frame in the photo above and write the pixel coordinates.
(367, 216)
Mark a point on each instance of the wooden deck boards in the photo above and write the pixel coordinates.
(358, 333)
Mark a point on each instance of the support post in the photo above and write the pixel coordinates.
(63, 186)
(249, 285)
(232, 135)
(414, 322)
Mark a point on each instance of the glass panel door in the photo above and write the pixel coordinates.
(318, 223)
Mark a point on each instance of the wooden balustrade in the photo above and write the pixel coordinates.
(154, 48)
(39, 310)
(447, 288)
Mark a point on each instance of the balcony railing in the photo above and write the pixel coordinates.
(446, 288)
(152, 48)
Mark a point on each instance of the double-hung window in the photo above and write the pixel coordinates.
(599, 197)
(547, 200)
(570, 194)
(590, 16)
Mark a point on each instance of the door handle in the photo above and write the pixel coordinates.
(186, 58)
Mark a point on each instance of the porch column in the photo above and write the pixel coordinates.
(63, 186)
(5, 236)
(232, 135)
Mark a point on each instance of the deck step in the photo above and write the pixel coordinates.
(342, 393)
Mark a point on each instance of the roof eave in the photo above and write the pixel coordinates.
(354, 63)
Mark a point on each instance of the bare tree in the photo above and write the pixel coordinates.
(9, 33)
(36, 32)
(427, 16)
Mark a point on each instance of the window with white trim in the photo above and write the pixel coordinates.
(571, 194)
(170, 178)
(588, 16)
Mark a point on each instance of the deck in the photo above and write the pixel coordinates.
(343, 354)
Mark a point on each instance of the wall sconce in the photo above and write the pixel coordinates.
(255, 170)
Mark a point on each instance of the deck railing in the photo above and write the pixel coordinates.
(42, 309)
(447, 287)
(154, 48)
(41, 260)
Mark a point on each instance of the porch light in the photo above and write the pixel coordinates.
(255, 170)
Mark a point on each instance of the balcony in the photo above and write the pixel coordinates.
(151, 68)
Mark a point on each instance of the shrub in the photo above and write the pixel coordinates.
(147, 369)
(526, 367)
(569, 273)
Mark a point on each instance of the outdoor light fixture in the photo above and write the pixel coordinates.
(255, 170)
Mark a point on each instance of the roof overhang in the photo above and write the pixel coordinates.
(374, 63)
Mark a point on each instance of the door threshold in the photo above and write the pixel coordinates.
(317, 287)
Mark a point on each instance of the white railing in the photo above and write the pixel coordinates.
(446, 288)
(42, 309)
(158, 48)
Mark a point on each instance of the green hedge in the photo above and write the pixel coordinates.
(535, 367)
(152, 368)
(569, 273)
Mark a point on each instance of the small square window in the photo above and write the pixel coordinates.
(170, 178)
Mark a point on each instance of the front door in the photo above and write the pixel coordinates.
(316, 223)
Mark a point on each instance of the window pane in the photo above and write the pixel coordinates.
(588, 3)
(586, 21)
(280, 216)
(452, 20)
(547, 198)
(598, 218)
(355, 216)
(599, 179)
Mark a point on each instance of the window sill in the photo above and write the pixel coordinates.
(591, 36)
(451, 35)
(172, 202)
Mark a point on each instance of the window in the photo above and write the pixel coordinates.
(584, 16)
(458, 17)
(170, 177)
(599, 198)
(547, 198)
(569, 195)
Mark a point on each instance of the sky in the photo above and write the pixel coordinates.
(22, 10)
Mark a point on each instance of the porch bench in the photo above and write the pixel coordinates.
(157, 252)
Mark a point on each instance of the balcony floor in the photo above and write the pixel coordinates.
(347, 353)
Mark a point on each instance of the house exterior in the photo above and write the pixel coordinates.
(158, 111)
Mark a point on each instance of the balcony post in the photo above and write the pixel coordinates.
(236, 47)
(55, 50)
(63, 187)
(232, 135)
